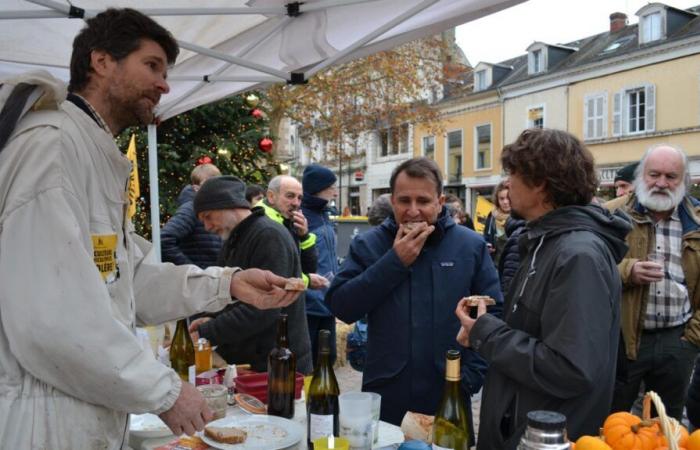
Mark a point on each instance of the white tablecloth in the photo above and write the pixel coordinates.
(388, 434)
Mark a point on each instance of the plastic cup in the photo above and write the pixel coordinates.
(356, 419)
(376, 409)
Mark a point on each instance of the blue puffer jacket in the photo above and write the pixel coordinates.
(184, 240)
(410, 310)
(316, 213)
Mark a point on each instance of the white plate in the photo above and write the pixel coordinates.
(148, 426)
(264, 432)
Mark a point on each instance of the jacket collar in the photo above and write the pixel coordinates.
(314, 203)
(246, 223)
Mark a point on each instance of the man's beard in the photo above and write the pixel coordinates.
(657, 199)
(129, 108)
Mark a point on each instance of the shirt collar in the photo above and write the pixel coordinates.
(83, 104)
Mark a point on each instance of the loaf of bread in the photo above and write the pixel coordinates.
(226, 435)
(417, 426)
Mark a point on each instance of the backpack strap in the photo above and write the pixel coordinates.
(14, 108)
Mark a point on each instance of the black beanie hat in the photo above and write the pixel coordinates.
(626, 173)
(225, 192)
(317, 178)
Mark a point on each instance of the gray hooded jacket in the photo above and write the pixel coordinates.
(556, 348)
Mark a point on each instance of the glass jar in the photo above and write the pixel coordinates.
(215, 396)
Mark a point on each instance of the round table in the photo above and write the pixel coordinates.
(388, 434)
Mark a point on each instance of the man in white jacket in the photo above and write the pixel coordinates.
(74, 277)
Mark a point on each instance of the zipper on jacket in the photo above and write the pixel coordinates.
(531, 271)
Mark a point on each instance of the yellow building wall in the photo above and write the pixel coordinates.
(677, 91)
(465, 121)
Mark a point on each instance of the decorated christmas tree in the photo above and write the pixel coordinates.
(232, 133)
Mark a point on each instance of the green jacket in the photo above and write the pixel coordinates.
(641, 242)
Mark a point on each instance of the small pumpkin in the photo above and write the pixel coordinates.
(682, 442)
(693, 441)
(625, 431)
(591, 443)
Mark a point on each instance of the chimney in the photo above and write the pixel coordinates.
(618, 21)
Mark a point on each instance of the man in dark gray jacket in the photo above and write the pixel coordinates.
(244, 334)
(556, 347)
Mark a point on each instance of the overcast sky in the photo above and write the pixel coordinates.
(508, 33)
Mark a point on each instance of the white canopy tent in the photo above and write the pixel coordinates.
(229, 46)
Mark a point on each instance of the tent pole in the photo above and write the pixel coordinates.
(153, 186)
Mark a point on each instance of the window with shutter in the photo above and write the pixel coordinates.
(617, 114)
(650, 107)
(595, 116)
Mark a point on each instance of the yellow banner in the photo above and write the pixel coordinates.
(483, 208)
(134, 189)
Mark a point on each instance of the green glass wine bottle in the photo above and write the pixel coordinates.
(451, 426)
(182, 350)
(322, 402)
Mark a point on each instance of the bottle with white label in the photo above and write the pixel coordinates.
(322, 400)
(451, 425)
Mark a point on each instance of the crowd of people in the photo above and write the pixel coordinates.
(592, 300)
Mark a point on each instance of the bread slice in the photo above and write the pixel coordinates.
(473, 300)
(410, 226)
(295, 284)
(227, 435)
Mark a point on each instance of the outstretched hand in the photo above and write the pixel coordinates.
(261, 289)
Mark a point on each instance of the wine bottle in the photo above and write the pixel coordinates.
(451, 425)
(322, 401)
(281, 370)
(182, 350)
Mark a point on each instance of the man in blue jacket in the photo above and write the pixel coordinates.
(319, 188)
(183, 239)
(407, 275)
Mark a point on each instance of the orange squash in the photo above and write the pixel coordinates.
(682, 442)
(693, 441)
(625, 431)
(591, 443)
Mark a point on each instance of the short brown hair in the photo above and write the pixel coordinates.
(118, 32)
(556, 159)
(418, 168)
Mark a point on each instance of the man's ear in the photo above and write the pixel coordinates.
(441, 199)
(101, 62)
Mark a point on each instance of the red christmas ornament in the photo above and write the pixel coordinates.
(257, 113)
(204, 160)
(265, 145)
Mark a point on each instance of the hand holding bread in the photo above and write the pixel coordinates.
(465, 305)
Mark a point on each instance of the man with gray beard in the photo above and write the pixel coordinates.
(660, 298)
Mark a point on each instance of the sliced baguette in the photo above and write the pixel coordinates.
(227, 435)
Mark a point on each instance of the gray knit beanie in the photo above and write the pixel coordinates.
(225, 192)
